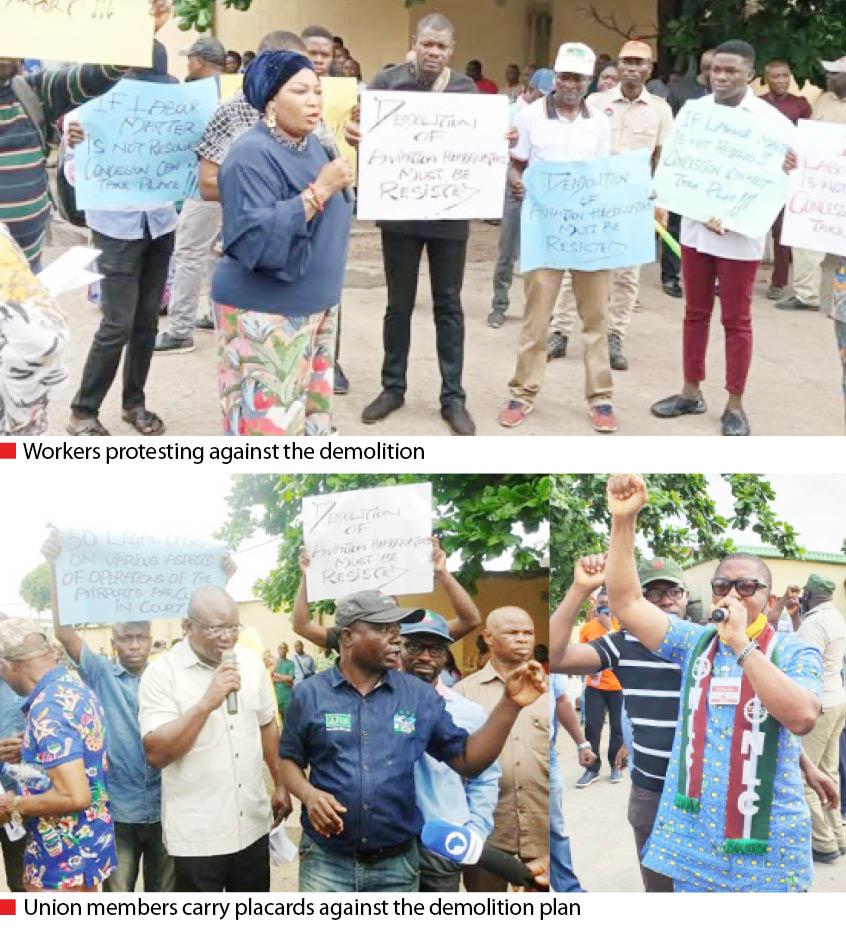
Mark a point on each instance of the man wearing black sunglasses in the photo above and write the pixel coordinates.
(733, 815)
(650, 685)
(441, 793)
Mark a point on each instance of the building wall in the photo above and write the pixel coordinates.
(785, 573)
(375, 31)
(571, 24)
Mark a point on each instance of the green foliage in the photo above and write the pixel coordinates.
(199, 14)
(35, 588)
(476, 516)
(800, 31)
(680, 521)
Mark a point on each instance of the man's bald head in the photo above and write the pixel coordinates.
(212, 623)
(510, 634)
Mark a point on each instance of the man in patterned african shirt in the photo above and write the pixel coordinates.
(61, 798)
(732, 815)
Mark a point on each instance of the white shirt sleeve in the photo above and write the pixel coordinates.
(523, 148)
(156, 701)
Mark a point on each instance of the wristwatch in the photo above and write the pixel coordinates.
(583, 746)
(15, 816)
(747, 652)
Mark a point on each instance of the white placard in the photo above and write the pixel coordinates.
(426, 155)
(379, 538)
(815, 215)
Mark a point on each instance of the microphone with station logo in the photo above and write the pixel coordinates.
(461, 846)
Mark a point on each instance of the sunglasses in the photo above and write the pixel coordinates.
(435, 649)
(656, 594)
(745, 587)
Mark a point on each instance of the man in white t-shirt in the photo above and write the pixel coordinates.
(558, 128)
(712, 254)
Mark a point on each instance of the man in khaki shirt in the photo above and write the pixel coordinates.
(639, 121)
(813, 272)
(824, 627)
(521, 818)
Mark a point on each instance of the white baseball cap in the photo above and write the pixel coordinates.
(838, 65)
(577, 58)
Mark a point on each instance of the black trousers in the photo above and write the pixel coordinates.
(402, 255)
(135, 272)
(438, 876)
(596, 704)
(670, 262)
(13, 853)
(247, 871)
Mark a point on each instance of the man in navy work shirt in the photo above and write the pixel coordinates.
(360, 727)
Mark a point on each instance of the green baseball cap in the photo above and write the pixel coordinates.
(819, 584)
(650, 571)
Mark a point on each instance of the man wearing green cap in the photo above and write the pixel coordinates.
(824, 627)
(650, 685)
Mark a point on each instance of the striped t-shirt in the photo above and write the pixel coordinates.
(651, 688)
(24, 197)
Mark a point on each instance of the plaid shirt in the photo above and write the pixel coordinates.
(229, 121)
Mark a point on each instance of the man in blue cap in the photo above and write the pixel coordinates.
(541, 83)
(441, 793)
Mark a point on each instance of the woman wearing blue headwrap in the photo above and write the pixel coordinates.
(286, 230)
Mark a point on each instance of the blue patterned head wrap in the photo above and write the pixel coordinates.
(267, 73)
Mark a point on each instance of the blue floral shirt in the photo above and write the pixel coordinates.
(64, 723)
(687, 846)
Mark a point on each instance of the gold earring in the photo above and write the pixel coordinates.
(270, 117)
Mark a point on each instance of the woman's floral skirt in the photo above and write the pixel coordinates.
(276, 373)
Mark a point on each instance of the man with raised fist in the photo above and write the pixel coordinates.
(732, 815)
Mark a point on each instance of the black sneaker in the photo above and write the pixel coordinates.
(204, 324)
(735, 423)
(824, 857)
(342, 384)
(556, 346)
(458, 419)
(673, 288)
(496, 319)
(168, 344)
(615, 353)
(673, 406)
(384, 404)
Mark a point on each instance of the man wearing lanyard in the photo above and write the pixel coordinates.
(360, 727)
(746, 691)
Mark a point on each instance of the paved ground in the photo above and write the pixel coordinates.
(601, 840)
(794, 387)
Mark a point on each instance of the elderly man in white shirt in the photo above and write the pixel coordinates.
(216, 812)
(561, 128)
(712, 254)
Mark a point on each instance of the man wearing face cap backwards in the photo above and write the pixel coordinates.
(285, 235)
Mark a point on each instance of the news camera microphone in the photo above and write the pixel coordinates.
(330, 145)
(462, 846)
(719, 615)
(228, 658)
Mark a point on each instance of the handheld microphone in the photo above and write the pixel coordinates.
(330, 145)
(460, 845)
(228, 658)
(720, 615)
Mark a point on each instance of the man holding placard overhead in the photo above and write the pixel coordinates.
(712, 254)
(403, 242)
